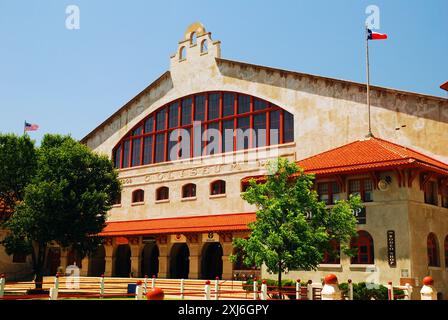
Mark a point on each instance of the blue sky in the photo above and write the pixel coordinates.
(69, 81)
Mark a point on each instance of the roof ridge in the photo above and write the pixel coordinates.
(330, 150)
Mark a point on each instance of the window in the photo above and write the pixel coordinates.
(361, 187)
(446, 252)
(193, 38)
(182, 53)
(19, 258)
(333, 255)
(260, 123)
(445, 197)
(218, 187)
(117, 200)
(189, 190)
(328, 192)
(162, 193)
(433, 251)
(431, 193)
(204, 46)
(138, 196)
(363, 244)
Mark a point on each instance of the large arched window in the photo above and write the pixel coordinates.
(162, 193)
(217, 187)
(138, 196)
(227, 121)
(433, 251)
(189, 190)
(363, 245)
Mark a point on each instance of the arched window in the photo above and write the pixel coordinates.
(364, 245)
(189, 190)
(433, 251)
(117, 199)
(162, 193)
(446, 252)
(138, 196)
(182, 53)
(230, 122)
(332, 257)
(218, 187)
(193, 38)
(204, 46)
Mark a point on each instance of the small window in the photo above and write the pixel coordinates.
(138, 196)
(162, 193)
(19, 258)
(433, 251)
(218, 187)
(363, 245)
(189, 190)
(361, 187)
(431, 193)
(332, 257)
(193, 38)
(204, 46)
(182, 53)
(117, 199)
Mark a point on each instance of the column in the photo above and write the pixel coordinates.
(227, 265)
(195, 260)
(135, 257)
(164, 250)
(109, 259)
(84, 272)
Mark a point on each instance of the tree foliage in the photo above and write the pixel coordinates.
(18, 161)
(66, 201)
(293, 228)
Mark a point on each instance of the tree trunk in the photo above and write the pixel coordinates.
(38, 265)
(279, 284)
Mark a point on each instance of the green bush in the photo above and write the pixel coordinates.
(362, 292)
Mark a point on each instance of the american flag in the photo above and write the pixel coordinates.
(31, 126)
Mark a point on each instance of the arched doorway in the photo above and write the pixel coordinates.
(179, 261)
(74, 258)
(150, 260)
(123, 261)
(53, 260)
(211, 261)
(97, 262)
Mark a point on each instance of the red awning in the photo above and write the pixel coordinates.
(210, 223)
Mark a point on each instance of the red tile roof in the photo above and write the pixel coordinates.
(366, 155)
(209, 223)
(371, 153)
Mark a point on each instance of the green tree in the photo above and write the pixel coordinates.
(66, 202)
(17, 167)
(293, 228)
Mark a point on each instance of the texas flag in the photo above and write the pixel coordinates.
(375, 35)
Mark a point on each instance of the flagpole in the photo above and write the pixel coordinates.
(24, 127)
(368, 81)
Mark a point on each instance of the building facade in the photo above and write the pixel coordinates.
(186, 145)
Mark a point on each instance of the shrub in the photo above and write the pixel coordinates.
(372, 292)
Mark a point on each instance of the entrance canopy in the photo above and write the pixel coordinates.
(210, 223)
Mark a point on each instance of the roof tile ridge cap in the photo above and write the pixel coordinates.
(384, 144)
(412, 150)
(329, 150)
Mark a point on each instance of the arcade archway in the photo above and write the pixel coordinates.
(97, 262)
(179, 261)
(150, 260)
(53, 260)
(74, 258)
(211, 261)
(123, 261)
